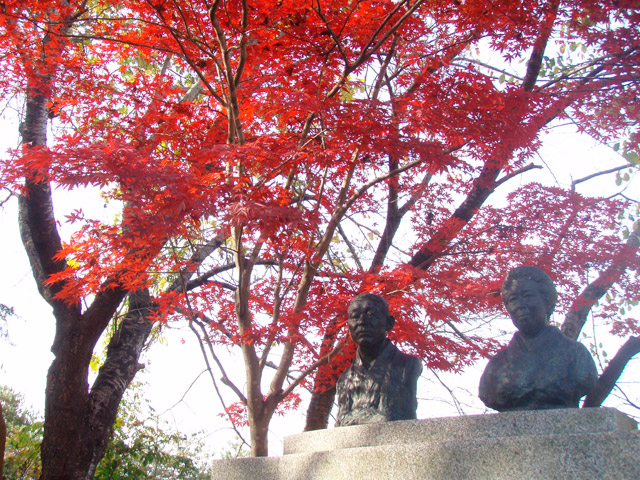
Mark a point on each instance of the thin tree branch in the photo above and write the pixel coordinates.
(310, 369)
(520, 171)
(577, 315)
(597, 174)
(215, 385)
(351, 248)
(612, 373)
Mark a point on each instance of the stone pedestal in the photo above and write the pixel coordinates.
(598, 443)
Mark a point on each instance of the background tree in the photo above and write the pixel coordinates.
(3, 438)
(141, 448)
(24, 434)
(251, 147)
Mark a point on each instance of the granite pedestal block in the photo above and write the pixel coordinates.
(598, 443)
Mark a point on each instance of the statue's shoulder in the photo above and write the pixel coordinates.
(405, 361)
(562, 341)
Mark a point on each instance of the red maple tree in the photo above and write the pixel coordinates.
(272, 159)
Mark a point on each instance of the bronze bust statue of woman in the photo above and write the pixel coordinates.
(540, 367)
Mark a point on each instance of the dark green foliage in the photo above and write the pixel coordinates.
(24, 435)
(145, 447)
(141, 448)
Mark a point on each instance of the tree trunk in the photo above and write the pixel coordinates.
(581, 306)
(320, 409)
(117, 372)
(79, 422)
(65, 449)
(259, 431)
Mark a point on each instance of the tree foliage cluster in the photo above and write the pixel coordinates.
(272, 159)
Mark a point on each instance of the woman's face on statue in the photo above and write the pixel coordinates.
(526, 306)
(368, 325)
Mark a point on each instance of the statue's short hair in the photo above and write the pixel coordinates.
(379, 301)
(535, 274)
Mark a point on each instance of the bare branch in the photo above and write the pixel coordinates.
(351, 248)
(612, 373)
(577, 315)
(597, 174)
(520, 171)
(184, 395)
(215, 384)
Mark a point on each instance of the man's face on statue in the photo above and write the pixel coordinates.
(368, 325)
(526, 306)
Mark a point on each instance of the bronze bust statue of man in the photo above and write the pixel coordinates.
(381, 383)
(540, 368)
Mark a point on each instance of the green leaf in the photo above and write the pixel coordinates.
(632, 157)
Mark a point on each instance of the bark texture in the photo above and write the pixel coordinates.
(320, 409)
(78, 421)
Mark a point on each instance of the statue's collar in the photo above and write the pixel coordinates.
(385, 353)
(543, 338)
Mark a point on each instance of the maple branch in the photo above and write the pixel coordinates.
(275, 318)
(383, 77)
(215, 384)
(535, 60)
(177, 36)
(515, 173)
(364, 56)
(233, 109)
(351, 248)
(394, 213)
(362, 190)
(489, 67)
(124, 42)
(199, 256)
(577, 315)
(225, 378)
(597, 174)
(612, 372)
(342, 206)
(452, 52)
(482, 187)
(243, 44)
(309, 272)
(334, 37)
(311, 368)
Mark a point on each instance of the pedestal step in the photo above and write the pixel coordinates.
(508, 424)
(533, 445)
